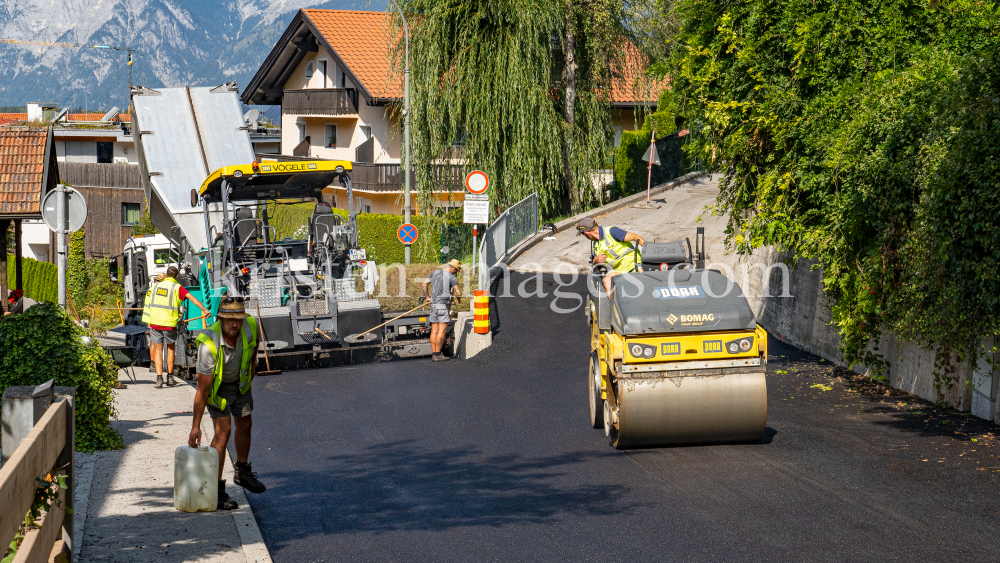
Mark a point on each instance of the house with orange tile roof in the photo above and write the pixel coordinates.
(96, 155)
(330, 73)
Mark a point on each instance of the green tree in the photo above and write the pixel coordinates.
(517, 89)
(866, 137)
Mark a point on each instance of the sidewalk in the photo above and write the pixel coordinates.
(125, 498)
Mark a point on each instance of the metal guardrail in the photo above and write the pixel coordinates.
(517, 223)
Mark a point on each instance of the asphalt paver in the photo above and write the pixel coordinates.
(493, 459)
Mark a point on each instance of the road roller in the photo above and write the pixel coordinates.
(677, 357)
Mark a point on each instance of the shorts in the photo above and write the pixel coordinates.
(163, 336)
(439, 313)
(238, 405)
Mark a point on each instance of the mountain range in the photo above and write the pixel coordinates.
(175, 42)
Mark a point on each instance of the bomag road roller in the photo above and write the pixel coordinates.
(676, 356)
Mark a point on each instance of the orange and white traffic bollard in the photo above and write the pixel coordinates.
(481, 310)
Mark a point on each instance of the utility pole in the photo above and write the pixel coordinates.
(406, 124)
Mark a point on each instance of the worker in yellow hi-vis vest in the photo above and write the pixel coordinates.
(612, 246)
(227, 363)
(162, 311)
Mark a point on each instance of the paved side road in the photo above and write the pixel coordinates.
(125, 509)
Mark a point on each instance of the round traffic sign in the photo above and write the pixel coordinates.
(76, 209)
(407, 233)
(477, 181)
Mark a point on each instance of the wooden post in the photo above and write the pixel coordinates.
(3, 264)
(18, 277)
(67, 462)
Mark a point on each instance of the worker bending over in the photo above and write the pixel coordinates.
(162, 311)
(611, 246)
(438, 289)
(227, 363)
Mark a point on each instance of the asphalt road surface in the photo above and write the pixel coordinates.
(492, 459)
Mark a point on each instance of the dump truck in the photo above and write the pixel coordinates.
(677, 357)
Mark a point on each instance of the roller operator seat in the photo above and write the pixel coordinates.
(325, 221)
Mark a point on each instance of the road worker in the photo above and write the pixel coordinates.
(227, 363)
(162, 311)
(438, 290)
(611, 246)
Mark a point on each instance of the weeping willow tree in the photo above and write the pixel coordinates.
(517, 88)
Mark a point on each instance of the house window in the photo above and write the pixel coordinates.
(301, 127)
(309, 70)
(330, 136)
(81, 151)
(366, 132)
(130, 214)
(321, 68)
(105, 152)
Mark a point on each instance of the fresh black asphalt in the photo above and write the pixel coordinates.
(492, 459)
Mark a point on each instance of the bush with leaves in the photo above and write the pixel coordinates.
(43, 343)
(867, 137)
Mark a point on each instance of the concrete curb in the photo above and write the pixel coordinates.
(252, 541)
(599, 211)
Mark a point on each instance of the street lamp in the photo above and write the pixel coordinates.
(406, 122)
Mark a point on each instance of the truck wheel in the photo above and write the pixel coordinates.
(596, 402)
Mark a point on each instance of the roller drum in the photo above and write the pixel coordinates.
(660, 411)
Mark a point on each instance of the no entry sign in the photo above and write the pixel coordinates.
(407, 233)
(477, 182)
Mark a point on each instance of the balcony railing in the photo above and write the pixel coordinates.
(326, 101)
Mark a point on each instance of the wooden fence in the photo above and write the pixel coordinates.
(46, 448)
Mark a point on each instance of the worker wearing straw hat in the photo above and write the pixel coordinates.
(438, 289)
(227, 361)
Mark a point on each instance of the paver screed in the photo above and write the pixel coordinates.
(130, 512)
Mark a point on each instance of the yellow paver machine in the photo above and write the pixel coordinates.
(676, 354)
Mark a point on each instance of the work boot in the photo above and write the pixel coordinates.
(226, 502)
(246, 478)
(440, 357)
(171, 381)
(159, 382)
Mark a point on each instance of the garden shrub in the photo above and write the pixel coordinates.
(43, 343)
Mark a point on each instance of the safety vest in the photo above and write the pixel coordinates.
(621, 255)
(212, 339)
(163, 303)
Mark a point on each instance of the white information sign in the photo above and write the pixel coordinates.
(476, 211)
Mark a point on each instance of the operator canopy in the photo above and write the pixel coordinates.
(680, 301)
(269, 180)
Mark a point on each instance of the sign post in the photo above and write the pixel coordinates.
(64, 211)
(476, 209)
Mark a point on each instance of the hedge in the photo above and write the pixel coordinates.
(41, 279)
(43, 343)
(376, 232)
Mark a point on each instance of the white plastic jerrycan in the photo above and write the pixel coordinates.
(196, 479)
